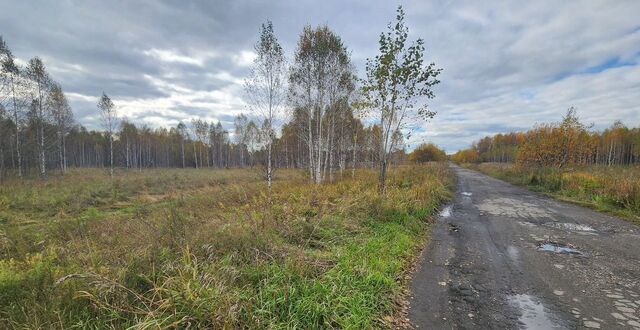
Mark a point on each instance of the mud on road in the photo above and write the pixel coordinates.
(502, 257)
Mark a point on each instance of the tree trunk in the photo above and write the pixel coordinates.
(310, 143)
(43, 161)
(383, 175)
(127, 155)
(64, 152)
(318, 157)
(15, 119)
(111, 154)
(330, 140)
(195, 155)
(60, 153)
(269, 173)
(383, 155)
(182, 148)
(609, 160)
(355, 146)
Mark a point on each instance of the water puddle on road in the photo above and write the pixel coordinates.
(557, 248)
(446, 212)
(533, 315)
(466, 194)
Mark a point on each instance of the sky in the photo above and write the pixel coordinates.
(507, 65)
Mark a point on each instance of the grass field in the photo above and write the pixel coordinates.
(614, 189)
(206, 249)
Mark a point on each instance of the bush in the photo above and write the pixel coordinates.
(427, 152)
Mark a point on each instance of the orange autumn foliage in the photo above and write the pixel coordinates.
(559, 145)
(427, 152)
(556, 145)
(466, 156)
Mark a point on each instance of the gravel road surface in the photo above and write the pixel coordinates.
(502, 257)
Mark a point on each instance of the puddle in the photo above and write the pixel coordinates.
(570, 226)
(464, 193)
(533, 314)
(557, 248)
(446, 212)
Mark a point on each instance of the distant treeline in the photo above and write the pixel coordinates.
(145, 147)
(568, 142)
(38, 134)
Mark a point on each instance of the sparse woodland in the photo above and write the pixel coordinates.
(317, 90)
(39, 135)
(302, 221)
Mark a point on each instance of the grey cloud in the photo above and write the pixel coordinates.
(507, 65)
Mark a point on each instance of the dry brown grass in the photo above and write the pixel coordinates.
(181, 248)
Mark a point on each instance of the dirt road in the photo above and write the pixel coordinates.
(502, 257)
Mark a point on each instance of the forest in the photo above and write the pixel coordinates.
(558, 145)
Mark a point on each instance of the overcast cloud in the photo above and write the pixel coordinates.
(507, 64)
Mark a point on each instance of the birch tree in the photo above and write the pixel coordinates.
(265, 86)
(128, 136)
(241, 122)
(218, 139)
(253, 140)
(38, 76)
(13, 86)
(62, 118)
(4, 123)
(5, 55)
(194, 137)
(182, 132)
(109, 116)
(397, 86)
(321, 79)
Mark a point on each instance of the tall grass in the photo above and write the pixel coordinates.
(614, 189)
(206, 249)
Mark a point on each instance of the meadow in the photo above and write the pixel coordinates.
(203, 248)
(612, 189)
